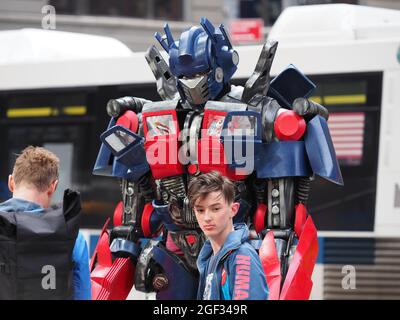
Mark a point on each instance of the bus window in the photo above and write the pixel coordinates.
(68, 122)
(353, 101)
(59, 120)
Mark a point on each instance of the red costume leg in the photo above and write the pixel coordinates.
(298, 284)
(111, 280)
(271, 266)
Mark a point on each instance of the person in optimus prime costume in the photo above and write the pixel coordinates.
(156, 148)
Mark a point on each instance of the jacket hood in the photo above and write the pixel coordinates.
(15, 204)
(232, 242)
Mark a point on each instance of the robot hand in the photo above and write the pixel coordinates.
(308, 109)
(117, 107)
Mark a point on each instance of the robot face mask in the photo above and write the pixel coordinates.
(196, 89)
(197, 50)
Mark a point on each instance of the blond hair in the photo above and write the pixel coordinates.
(36, 166)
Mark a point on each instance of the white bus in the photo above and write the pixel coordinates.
(54, 87)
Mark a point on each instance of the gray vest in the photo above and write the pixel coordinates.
(36, 251)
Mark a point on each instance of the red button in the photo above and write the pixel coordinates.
(191, 239)
(289, 126)
(192, 168)
(129, 120)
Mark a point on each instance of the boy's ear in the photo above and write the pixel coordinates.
(235, 208)
(11, 183)
(52, 188)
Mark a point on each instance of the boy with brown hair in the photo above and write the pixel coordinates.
(230, 268)
(45, 233)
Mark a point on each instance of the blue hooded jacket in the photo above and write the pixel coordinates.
(234, 273)
(80, 257)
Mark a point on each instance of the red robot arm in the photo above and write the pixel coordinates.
(282, 220)
(113, 263)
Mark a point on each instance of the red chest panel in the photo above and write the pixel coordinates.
(161, 131)
(210, 153)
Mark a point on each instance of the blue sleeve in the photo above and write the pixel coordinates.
(81, 274)
(247, 279)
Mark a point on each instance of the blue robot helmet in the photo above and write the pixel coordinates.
(203, 60)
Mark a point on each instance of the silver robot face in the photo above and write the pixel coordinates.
(196, 89)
